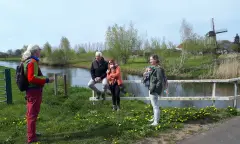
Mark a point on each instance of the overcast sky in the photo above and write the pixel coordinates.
(82, 21)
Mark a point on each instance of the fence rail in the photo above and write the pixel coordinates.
(213, 97)
(6, 88)
(192, 81)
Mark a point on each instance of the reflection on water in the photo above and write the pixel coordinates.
(80, 77)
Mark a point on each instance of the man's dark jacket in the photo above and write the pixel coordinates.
(99, 69)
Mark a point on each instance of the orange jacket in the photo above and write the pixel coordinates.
(111, 77)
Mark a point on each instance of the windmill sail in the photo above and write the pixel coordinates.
(221, 31)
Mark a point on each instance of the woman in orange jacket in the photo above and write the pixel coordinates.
(115, 81)
(34, 91)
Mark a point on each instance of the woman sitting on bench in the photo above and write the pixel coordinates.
(115, 82)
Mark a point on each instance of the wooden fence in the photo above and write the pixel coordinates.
(213, 97)
(56, 75)
(6, 86)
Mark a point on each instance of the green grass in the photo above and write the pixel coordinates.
(198, 61)
(11, 59)
(74, 119)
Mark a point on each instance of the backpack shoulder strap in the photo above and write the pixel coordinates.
(25, 65)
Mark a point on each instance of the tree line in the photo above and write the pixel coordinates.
(124, 42)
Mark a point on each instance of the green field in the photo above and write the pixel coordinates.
(74, 119)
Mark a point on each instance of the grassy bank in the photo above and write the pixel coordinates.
(15, 59)
(194, 67)
(75, 120)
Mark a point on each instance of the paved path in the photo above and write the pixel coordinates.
(226, 133)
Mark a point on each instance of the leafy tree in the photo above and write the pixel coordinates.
(155, 43)
(18, 52)
(235, 47)
(57, 56)
(10, 52)
(24, 48)
(47, 49)
(66, 49)
(121, 42)
(80, 49)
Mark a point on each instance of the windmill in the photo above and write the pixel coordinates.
(212, 36)
(236, 39)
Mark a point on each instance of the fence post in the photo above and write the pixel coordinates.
(213, 93)
(65, 84)
(93, 96)
(235, 95)
(8, 85)
(55, 84)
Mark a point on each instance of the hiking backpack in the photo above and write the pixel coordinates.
(21, 78)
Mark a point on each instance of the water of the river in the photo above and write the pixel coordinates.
(80, 77)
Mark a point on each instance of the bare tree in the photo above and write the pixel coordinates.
(186, 32)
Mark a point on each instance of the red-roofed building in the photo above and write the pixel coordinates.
(179, 47)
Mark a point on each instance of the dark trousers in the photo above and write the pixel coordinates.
(115, 91)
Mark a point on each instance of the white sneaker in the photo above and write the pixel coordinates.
(151, 120)
(154, 124)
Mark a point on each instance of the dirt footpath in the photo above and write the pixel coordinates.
(227, 132)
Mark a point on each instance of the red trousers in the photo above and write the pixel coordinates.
(34, 100)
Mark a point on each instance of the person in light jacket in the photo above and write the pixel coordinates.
(155, 87)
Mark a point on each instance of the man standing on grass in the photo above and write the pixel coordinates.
(34, 89)
(99, 69)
